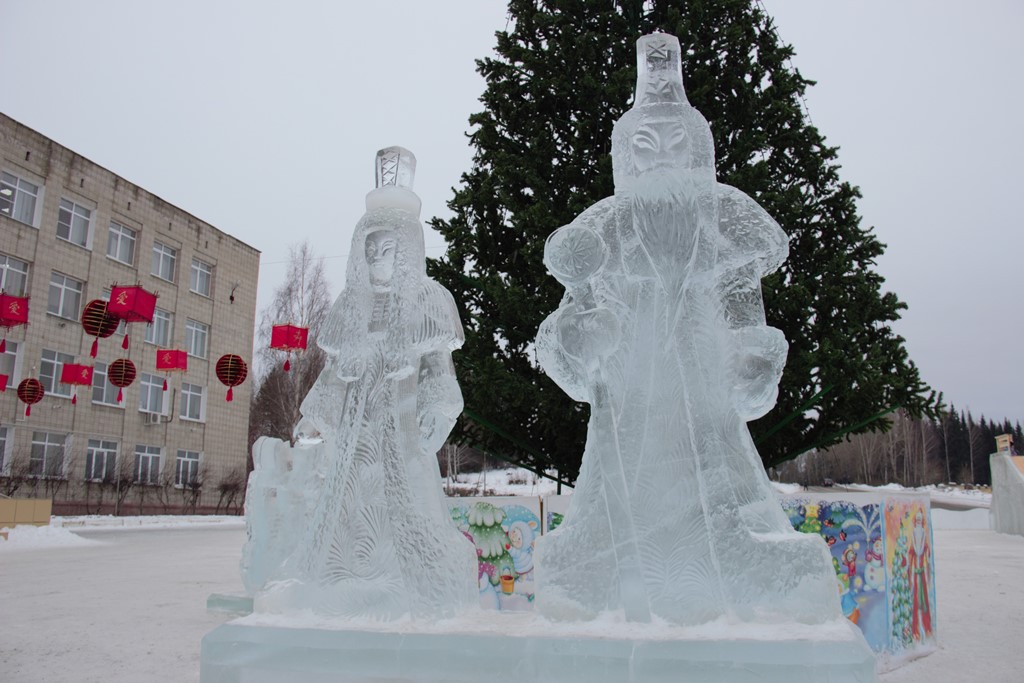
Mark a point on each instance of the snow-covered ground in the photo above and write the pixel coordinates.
(97, 599)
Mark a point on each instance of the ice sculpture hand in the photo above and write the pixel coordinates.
(588, 335)
(758, 362)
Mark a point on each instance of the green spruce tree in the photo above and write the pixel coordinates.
(564, 72)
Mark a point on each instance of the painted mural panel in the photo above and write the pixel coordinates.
(555, 507)
(885, 587)
(503, 529)
(911, 586)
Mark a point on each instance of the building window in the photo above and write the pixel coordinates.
(100, 460)
(103, 392)
(18, 198)
(151, 393)
(159, 331)
(9, 363)
(201, 279)
(13, 275)
(147, 464)
(50, 366)
(73, 222)
(6, 437)
(196, 336)
(46, 458)
(192, 402)
(121, 243)
(186, 473)
(65, 296)
(164, 260)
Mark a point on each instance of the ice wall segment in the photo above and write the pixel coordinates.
(1007, 493)
(662, 330)
(351, 521)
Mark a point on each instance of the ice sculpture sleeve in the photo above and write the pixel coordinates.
(752, 246)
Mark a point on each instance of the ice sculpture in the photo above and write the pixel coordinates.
(662, 330)
(352, 522)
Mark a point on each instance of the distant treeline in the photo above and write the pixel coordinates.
(915, 452)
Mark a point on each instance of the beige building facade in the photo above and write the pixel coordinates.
(69, 230)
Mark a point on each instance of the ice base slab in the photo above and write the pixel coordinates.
(238, 604)
(253, 653)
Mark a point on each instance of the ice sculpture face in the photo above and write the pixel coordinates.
(356, 525)
(662, 330)
(380, 256)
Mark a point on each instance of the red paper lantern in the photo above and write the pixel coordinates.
(76, 375)
(231, 371)
(171, 360)
(30, 391)
(288, 338)
(132, 304)
(13, 312)
(121, 373)
(98, 323)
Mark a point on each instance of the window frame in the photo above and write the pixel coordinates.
(193, 465)
(115, 232)
(166, 320)
(188, 398)
(192, 327)
(46, 446)
(14, 376)
(161, 253)
(60, 359)
(144, 453)
(6, 442)
(5, 271)
(17, 190)
(109, 451)
(149, 383)
(198, 269)
(100, 377)
(61, 303)
(79, 211)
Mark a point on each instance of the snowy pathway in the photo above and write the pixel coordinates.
(130, 607)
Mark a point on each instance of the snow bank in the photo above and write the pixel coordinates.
(27, 537)
(99, 522)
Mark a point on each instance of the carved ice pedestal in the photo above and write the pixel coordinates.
(521, 647)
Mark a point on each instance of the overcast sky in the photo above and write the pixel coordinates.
(262, 118)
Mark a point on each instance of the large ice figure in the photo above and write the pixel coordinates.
(352, 520)
(662, 330)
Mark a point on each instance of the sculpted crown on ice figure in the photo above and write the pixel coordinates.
(662, 330)
(352, 520)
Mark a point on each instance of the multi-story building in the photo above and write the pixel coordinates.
(69, 230)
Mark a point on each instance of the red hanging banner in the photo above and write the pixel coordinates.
(171, 360)
(13, 312)
(131, 303)
(3, 383)
(288, 337)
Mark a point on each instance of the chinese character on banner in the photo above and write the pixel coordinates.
(132, 304)
(13, 312)
(288, 338)
(171, 360)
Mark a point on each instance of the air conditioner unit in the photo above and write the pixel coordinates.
(152, 418)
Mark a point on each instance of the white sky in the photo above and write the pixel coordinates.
(263, 118)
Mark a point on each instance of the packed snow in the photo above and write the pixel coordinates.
(124, 599)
